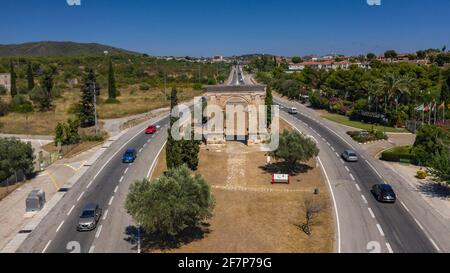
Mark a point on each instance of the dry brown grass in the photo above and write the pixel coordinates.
(251, 214)
(132, 101)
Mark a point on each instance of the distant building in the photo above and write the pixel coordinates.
(218, 59)
(5, 80)
(326, 65)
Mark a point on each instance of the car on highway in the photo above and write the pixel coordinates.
(129, 156)
(384, 193)
(293, 111)
(89, 217)
(150, 130)
(350, 156)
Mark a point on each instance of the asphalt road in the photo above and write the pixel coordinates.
(398, 230)
(106, 184)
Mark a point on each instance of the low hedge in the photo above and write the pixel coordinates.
(372, 136)
(399, 154)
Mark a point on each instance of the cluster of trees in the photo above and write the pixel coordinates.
(15, 156)
(67, 133)
(130, 70)
(393, 89)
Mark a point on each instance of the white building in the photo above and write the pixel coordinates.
(5, 80)
(326, 65)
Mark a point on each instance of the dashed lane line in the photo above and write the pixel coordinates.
(91, 249)
(71, 209)
(371, 213)
(389, 248)
(364, 199)
(46, 246)
(79, 197)
(59, 227)
(116, 189)
(353, 178)
(105, 215)
(99, 231)
(111, 200)
(380, 230)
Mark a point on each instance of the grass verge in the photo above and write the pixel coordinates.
(360, 125)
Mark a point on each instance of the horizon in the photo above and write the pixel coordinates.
(201, 29)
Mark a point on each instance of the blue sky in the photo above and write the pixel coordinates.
(228, 27)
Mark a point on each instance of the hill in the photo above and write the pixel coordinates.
(48, 48)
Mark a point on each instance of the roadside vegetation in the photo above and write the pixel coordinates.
(387, 94)
(46, 90)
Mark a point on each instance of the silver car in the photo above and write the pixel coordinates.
(89, 217)
(350, 156)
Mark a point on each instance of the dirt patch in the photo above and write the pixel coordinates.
(251, 214)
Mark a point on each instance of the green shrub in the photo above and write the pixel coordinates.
(399, 154)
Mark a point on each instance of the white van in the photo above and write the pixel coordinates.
(293, 111)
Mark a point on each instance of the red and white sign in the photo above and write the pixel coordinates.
(281, 178)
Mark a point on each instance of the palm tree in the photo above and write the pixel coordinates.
(374, 89)
(393, 86)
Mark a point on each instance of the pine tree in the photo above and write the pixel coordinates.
(112, 90)
(13, 79)
(30, 77)
(174, 157)
(269, 104)
(86, 114)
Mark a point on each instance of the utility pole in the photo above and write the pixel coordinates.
(95, 109)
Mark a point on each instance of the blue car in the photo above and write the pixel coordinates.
(129, 156)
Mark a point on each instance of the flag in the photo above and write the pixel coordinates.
(420, 107)
(442, 105)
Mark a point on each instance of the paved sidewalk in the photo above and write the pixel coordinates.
(434, 194)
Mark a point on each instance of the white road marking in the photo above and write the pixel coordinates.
(98, 231)
(337, 154)
(364, 199)
(145, 145)
(90, 183)
(373, 168)
(59, 227)
(71, 209)
(46, 246)
(419, 224)
(111, 200)
(332, 148)
(371, 213)
(406, 208)
(152, 167)
(335, 206)
(105, 215)
(342, 161)
(140, 150)
(126, 170)
(91, 250)
(389, 248)
(121, 179)
(353, 178)
(148, 141)
(434, 244)
(79, 197)
(328, 143)
(380, 230)
(357, 187)
(346, 168)
(319, 135)
(115, 190)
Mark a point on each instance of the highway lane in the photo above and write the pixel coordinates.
(395, 223)
(58, 232)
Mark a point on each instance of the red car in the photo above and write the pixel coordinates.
(150, 130)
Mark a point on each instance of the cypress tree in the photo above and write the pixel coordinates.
(86, 114)
(174, 157)
(13, 79)
(30, 77)
(47, 87)
(112, 90)
(269, 104)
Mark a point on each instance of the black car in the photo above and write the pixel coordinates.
(384, 193)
